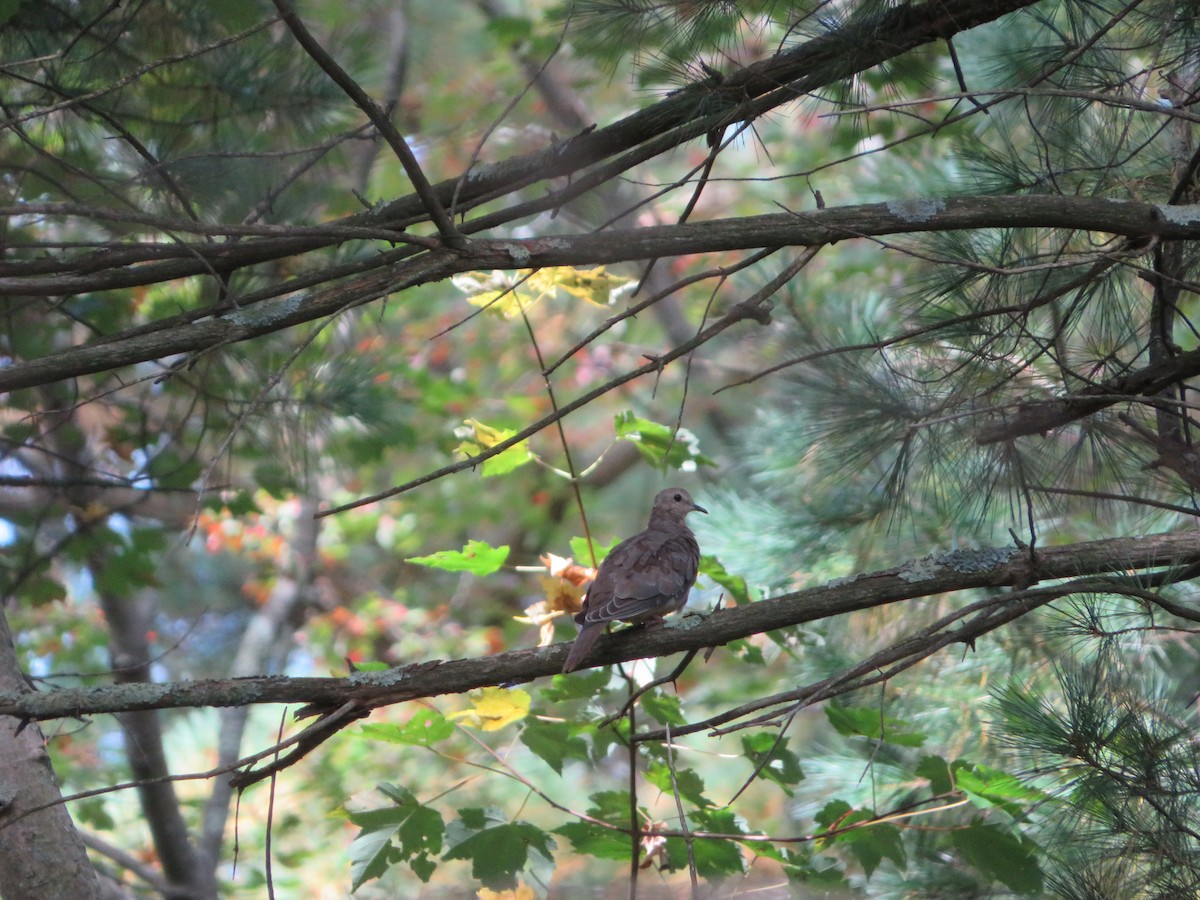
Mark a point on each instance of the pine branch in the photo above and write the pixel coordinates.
(860, 44)
(1038, 418)
(1132, 219)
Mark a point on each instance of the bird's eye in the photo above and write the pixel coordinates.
(679, 497)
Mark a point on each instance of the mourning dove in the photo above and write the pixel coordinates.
(644, 577)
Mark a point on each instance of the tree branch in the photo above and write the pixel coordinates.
(934, 574)
(433, 206)
(862, 43)
(1132, 219)
(1038, 418)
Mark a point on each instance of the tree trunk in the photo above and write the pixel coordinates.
(41, 854)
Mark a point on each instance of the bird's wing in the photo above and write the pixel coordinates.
(642, 576)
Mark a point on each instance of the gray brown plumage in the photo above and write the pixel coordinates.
(644, 577)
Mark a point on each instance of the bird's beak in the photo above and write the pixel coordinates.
(698, 508)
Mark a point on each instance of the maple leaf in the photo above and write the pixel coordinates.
(493, 707)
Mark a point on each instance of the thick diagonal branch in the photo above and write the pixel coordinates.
(935, 574)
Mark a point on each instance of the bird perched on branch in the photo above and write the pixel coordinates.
(644, 577)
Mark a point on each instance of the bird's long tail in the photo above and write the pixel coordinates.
(583, 644)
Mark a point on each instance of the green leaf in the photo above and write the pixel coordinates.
(734, 584)
(372, 852)
(580, 686)
(238, 503)
(498, 850)
(689, 785)
(370, 665)
(719, 821)
(938, 772)
(715, 857)
(992, 787)
(798, 864)
(832, 813)
(870, 844)
(41, 589)
(611, 807)
(663, 447)
(747, 652)
(663, 708)
(855, 721)
(477, 557)
(8, 9)
(418, 829)
(133, 562)
(1000, 855)
(553, 742)
(507, 460)
(595, 840)
(424, 729)
(783, 766)
(479, 437)
(21, 431)
(579, 550)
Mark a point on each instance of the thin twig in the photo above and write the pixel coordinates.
(378, 117)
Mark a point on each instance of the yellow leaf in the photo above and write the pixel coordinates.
(478, 437)
(493, 708)
(505, 293)
(486, 435)
(508, 293)
(94, 512)
(593, 285)
(508, 303)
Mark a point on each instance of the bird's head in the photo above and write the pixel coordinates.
(676, 503)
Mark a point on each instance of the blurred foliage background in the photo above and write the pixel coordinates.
(158, 519)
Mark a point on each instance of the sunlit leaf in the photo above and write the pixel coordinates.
(510, 293)
(579, 549)
(478, 437)
(424, 729)
(493, 707)
(662, 446)
(734, 584)
(870, 723)
(596, 285)
(477, 557)
(991, 787)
